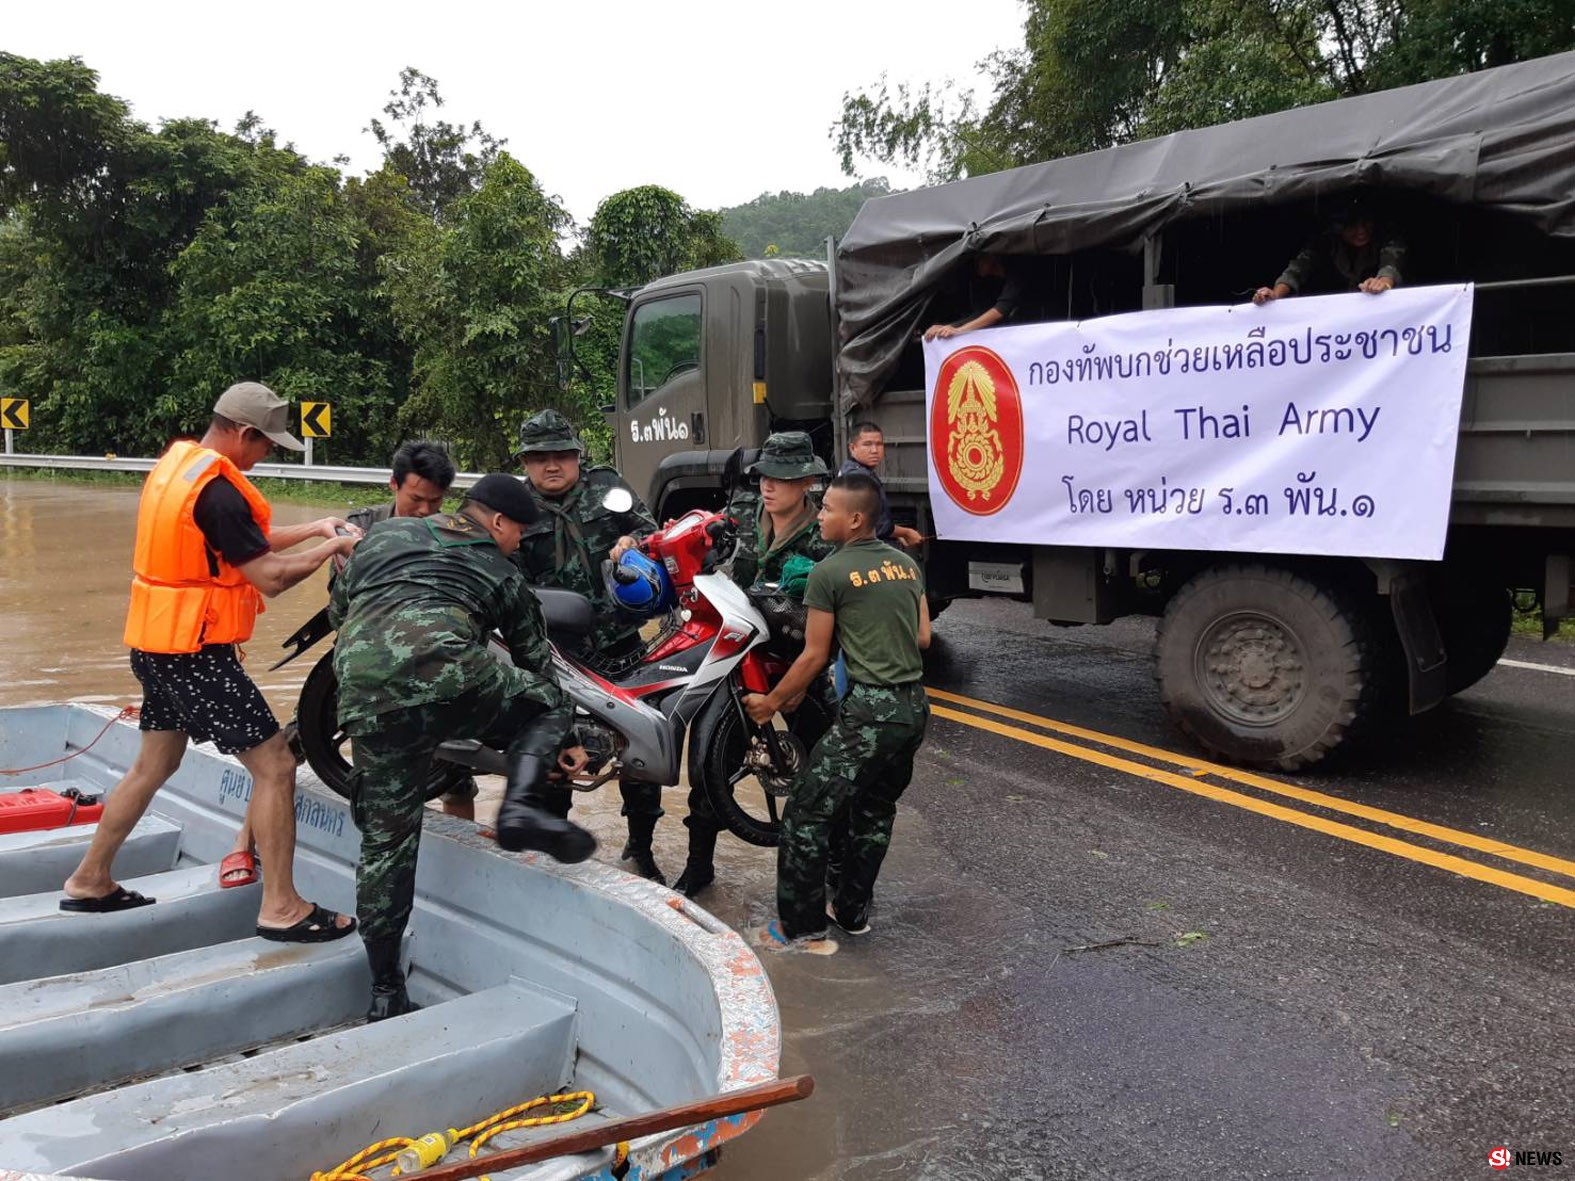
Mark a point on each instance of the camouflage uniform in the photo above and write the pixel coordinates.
(565, 548)
(414, 609)
(461, 788)
(861, 767)
(759, 558)
(364, 518)
(848, 792)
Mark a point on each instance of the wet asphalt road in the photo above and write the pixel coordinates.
(1296, 1006)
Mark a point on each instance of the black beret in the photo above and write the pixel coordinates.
(506, 494)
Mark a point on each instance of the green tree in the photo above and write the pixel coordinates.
(272, 288)
(1091, 73)
(643, 233)
(442, 161)
(474, 299)
(796, 225)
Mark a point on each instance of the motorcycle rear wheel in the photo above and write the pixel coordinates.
(328, 748)
(744, 804)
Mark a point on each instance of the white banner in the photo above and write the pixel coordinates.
(1312, 425)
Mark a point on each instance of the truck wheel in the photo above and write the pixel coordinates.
(1474, 617)
(1263, 667)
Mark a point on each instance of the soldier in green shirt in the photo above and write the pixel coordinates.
(775, 524)
(414, 608)
(868, 598)
(576, 529)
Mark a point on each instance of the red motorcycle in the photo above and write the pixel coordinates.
(682, 693)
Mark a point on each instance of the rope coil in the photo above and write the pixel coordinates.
(387, 1152)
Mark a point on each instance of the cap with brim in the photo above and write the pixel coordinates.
(788, 455)
(250, 403)
(506, 494)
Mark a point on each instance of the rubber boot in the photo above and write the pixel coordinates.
(638, 849)
(523, 821)
(699, 870)
(389, 998)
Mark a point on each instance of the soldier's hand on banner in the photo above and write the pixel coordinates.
(622, 546)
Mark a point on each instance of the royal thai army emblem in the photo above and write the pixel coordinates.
(976, 430)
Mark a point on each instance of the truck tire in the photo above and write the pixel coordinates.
(1474, 617)
(1264, 667)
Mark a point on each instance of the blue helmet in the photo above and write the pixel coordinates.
(639, 585)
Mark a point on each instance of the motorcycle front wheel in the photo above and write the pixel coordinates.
(328, 748)
(743, 777)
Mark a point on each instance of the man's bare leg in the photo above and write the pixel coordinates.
(272, 817)
(464, 809)
(158, 756)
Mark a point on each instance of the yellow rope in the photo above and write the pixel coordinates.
(368, 1159)
(351, 1169)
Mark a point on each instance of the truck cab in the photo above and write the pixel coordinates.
(688, 394)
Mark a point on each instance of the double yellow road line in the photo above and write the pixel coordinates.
(1202, 778)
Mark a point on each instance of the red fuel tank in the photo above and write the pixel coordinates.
(35, 808)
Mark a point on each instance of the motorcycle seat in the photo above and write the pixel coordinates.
(566, 613)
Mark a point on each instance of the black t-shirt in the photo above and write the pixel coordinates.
(227, 524)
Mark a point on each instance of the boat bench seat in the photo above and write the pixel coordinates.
(40, 939)
(154, 1015)
(31, 862)
(310, 1105)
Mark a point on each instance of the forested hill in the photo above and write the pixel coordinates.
(796, 225)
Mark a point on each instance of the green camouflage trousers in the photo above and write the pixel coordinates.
(395, 774)
(858, 770)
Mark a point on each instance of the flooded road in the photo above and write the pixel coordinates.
(65, 570)
(1094, 956)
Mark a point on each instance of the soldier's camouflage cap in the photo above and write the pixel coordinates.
(547, 430)
(788, 455)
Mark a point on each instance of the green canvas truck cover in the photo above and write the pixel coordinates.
(1502, 138)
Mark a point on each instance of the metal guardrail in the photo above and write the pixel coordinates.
(270, 471)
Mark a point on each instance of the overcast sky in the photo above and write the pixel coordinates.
(720, 101)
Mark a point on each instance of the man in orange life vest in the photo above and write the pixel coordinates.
(205, 557)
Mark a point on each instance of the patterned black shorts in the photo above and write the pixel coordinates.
(206, 695)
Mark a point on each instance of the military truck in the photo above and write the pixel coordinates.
(1479, 169)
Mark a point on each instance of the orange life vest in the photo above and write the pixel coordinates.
(178, 603)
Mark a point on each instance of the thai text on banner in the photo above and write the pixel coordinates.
(1312, 425)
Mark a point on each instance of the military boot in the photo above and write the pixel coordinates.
(524, 821)
(638, 849)
(699, 870)
(389, 998)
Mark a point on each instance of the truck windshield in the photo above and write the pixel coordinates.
(664, 342)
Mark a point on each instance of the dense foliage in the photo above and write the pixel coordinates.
(1092, 73)
(796, 225)
(142, 271)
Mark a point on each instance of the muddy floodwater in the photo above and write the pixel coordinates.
(66, 567)
(1081, 967)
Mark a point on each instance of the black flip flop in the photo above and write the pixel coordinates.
(118, 899)
(316, 927)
